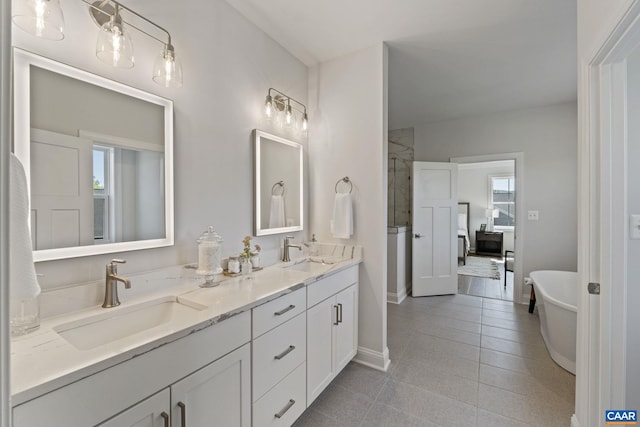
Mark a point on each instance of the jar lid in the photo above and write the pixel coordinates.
(210, 236)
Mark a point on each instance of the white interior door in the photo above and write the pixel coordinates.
(607, 365)
(61, 190)
(434, 213)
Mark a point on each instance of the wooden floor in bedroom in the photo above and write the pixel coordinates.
(487, 288)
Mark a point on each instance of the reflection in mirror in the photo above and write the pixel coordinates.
(98, 157)
(278, 184)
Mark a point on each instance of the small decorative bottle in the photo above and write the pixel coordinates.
(255, 259)
(234, 265)
(246, 267)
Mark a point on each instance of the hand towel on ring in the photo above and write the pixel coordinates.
(342, 223)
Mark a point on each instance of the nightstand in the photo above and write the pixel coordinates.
(489, 243)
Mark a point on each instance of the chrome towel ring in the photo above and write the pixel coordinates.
(346, 180)
(276, 186)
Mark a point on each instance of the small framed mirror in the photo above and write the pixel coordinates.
(278, 169)
(98, 156)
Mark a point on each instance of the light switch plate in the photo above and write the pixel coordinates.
(532, 215)
(634, 227)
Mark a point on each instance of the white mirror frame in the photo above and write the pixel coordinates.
(22, 62)
(258, 230)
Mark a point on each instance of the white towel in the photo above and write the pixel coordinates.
(342, 223)
(23, 283)
(276, 214)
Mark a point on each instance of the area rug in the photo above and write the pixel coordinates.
(480, 267)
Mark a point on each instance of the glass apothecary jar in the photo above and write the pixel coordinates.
(209, 257)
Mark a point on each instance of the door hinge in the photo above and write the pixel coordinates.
(594, 288)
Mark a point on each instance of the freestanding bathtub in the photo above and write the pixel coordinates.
(556, 298)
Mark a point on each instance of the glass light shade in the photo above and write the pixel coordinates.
(167, 70)
(114, 46)
(41, 18)
(268, 106)
(288, 115)
(305, 122)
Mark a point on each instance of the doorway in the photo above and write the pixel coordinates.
(500, 211)
(487, 191)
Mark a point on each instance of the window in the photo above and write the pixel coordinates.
(102, 158)
(503, 198)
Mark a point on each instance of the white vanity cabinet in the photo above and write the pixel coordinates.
(217, 394)
(279, 351)
(151, 412)
(332, 328)
(219, 391)
(207, 371)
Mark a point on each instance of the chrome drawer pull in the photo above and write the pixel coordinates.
(285, 409)
(165, 417)
(284, 310)
(339, 312)
(337, 316)
(183, 414)
(284, 353)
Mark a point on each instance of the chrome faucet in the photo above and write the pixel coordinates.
(287, 245)
(111, 284)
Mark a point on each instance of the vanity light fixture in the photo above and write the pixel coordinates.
(281, 103)
(41, 18)
(167, 70)
(44, 18)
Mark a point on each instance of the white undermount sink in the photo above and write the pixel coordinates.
(115, 324)
(309, 266)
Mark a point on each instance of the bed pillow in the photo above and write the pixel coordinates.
(462, 221)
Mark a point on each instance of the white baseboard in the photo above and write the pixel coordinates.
(397, 298)
(574, 421)
(373, 359)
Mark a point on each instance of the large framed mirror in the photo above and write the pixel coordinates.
(278, 184)
(98, 156)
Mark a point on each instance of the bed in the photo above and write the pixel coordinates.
(463, 232)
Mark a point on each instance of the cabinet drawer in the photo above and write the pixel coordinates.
(331, 285)
(278, 311)
(287, 399)
(277, 353)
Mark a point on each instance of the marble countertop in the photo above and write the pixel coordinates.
(43, 361)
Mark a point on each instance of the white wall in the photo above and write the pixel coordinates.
(473, 187)
(228, 66)
(348, 99)
(547, 137)
(633, 194)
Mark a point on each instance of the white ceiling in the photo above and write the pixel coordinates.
(447, 58)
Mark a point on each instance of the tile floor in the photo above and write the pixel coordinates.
(455, 361)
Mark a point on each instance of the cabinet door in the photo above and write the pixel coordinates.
(217, 395)
(151, 412)
(346, 331)
(320, 319)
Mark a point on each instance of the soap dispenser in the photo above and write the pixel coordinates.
(313, 249)
(209, 257)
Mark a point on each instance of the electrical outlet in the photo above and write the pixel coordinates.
(634, 227)
(533, 215)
